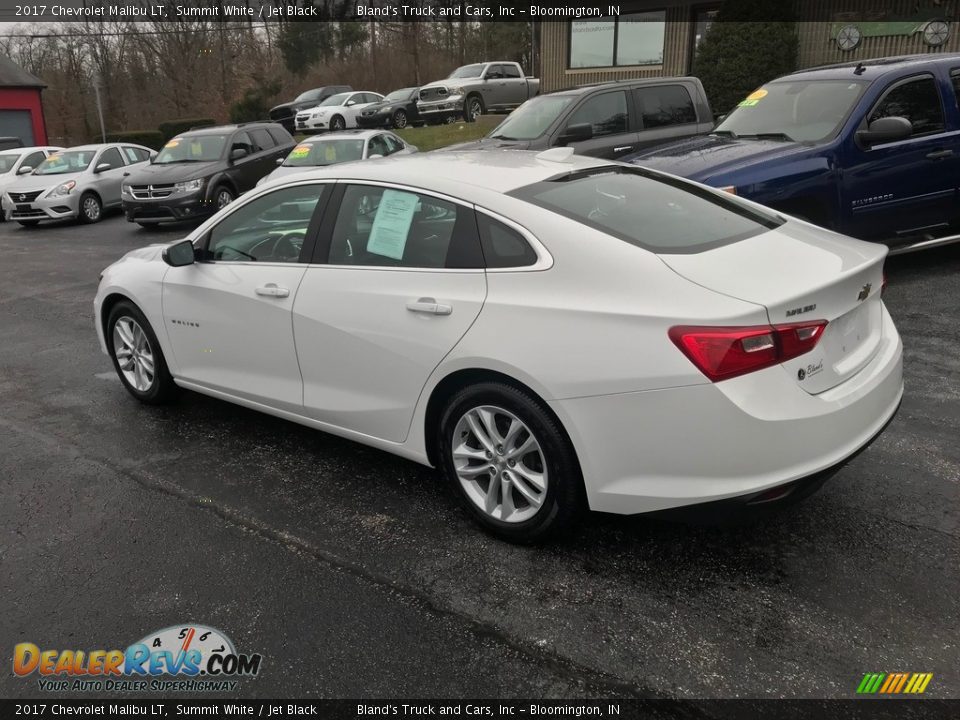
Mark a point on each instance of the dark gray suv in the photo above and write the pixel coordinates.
(607, 120)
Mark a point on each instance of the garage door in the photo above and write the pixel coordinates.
(17, 123)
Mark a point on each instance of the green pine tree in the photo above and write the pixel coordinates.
(743, 49)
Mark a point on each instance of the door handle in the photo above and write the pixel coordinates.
(429, 306)
(626, 147)
(939, 154)
(272, 290)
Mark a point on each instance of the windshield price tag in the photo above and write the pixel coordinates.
(753, 98)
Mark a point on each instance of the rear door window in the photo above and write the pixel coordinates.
(663, 105)
(510, 71)
(660, 214)
(606, 113)
(916, 100)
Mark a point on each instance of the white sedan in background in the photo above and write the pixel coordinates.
(20, 161)
(339, 147)
(554, 333)
(337, 112)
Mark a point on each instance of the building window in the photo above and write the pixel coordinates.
(634, 39)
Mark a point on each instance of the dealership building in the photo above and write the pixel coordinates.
(21, 109)
(652, 38)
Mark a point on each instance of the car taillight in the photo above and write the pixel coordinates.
(722, 353)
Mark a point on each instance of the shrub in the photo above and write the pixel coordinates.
(740, 52)
(151, 138)
(172, 128)
(255, 103)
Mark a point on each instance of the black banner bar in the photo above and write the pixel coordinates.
(612, 709)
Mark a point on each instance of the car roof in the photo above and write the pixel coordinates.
(872, 68)
(496, 170)
(28, 149)
(344, 135)
(603, 85)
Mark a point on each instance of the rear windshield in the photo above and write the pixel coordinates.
(660, 214)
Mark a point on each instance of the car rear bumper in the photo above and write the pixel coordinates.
(655, 450)
(43, 208)
(168, 209)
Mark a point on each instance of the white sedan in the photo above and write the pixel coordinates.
(553, 333)
(337, 112)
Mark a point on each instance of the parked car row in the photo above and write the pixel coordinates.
(195, 174)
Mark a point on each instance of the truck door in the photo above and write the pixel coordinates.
(906, 187)
(609, 115)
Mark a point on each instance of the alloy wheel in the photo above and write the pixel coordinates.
(500, 464)
(91, 208)
(224, 198)
(134, 354)
(476, 108)
(400, 119)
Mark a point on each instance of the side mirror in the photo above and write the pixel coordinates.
(179, 254)
(153, 155)
(280, 161)
(350, 103)
(882, 130)
(576, 133)
(102, 167)
(374, 156)
(237, 153)
(24, 169)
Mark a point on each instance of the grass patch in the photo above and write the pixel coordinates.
(432, 137)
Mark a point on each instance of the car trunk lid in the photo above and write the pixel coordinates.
(800, 273)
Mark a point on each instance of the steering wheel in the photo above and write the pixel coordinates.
(285, 246)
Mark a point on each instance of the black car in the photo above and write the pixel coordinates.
(397, 110)
(286, 114)
(608, 120)
(199, 171)
(8, 143)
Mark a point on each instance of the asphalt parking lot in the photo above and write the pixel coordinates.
(355, 573)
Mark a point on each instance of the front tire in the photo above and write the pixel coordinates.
(222, 197)
(510, 463)
(399, 120)
(136, 355)
(337, 123)
(473, 108)
(91, 209)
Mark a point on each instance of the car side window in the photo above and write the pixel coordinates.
(269, 229)
(494, 72)
(393, 144)
(510, 71)
(111, 156)
(386, 227)
(916, 100)
(280, 136)
(135, 155)
(33, 159)
(503, 247)
(262, 139)
(606, 113)
(377, 146)
(241, 141)
(664, 105)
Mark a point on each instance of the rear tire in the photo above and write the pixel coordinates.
(136, 355)
(522, 482)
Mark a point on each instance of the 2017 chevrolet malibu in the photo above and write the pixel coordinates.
(554, 333)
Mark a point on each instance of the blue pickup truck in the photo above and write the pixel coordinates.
(870, 149)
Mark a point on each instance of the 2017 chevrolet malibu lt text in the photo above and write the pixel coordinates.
(554, 333)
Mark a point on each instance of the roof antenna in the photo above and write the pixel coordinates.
(859, 69)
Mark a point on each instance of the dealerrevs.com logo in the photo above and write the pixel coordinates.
(180, 658)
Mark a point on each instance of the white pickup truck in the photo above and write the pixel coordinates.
(474, 89)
